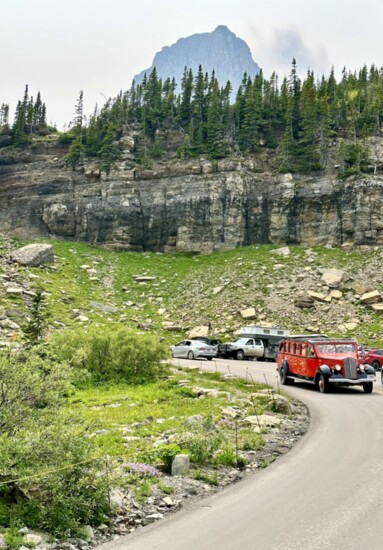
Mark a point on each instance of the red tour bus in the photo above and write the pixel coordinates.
(323, 361)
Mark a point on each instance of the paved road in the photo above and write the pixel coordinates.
(326, 493)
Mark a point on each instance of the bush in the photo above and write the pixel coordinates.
(250, 440)
(66, 138)
(112, 354)
(202, 441)
(51, 470)
(163, 454)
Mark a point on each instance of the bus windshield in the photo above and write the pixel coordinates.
(336, 348)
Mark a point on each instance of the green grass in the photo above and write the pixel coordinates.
(130, 418)
(184, 285)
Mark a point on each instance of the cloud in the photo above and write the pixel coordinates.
(274, 51)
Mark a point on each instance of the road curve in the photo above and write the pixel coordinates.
(326, 493)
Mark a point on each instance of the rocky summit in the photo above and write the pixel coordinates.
(220, 51)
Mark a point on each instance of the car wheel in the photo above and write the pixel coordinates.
(209, 358)
(283, 375)
(376, 365)
(323, 384)
(240, 355)
(190, 355)
(368, 387)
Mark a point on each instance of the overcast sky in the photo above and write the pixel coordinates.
(59, 47)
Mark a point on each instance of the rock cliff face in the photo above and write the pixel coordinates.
(220, 50)
(190, 206)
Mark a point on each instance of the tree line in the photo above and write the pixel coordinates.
(301, 119)
(30, 119)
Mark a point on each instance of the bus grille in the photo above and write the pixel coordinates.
(350, 370)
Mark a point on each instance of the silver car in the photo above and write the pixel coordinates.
(194, 349)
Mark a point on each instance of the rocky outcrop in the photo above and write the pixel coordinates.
(183, 207)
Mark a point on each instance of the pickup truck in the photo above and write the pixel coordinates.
(243, 348)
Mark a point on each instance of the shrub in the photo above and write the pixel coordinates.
(66, 138)
(51, 467)
(202, 441)
(112, 354)
(163, 454)
(250, 440)
(211, 478)
(226, 457)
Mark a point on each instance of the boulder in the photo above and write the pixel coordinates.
(317, 296)
(360, 288)
(304, 302)
(248, 313)
(33, 255)
(263, 420)
(331, 279)
(336, 294)
(202, 330)
(334, 276)
(284, 251)
(371, 297)
(180, 465)
(378, 308)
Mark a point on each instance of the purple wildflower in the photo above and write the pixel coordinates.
(142, 469)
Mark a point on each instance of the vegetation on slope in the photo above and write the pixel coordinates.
(87, 404)
(303, 120)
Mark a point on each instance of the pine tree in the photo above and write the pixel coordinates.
(215, 144)
(307, 146)
(109, 152)
(186, 95)
(288, 145)
(76, 150)
(4, 118)
(34, 330)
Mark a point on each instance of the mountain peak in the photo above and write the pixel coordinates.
(220, 50)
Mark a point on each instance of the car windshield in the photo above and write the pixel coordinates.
(335, 348)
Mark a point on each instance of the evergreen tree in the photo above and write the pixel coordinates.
(4, 118)
(199, 113)
(215, 144)
(288, 145)
(307, 147)
(109, 152)
(76, 150)
(186, 95)
(36, 326)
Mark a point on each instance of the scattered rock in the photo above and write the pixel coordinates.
(371, 297)
(284, 251)
(199, 331)
(180, 465)
(33, 255)
(248, 313)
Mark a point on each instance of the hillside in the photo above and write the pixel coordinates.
(169, 295)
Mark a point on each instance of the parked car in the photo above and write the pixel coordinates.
(373, 357)
(210, 341)
(194, 349)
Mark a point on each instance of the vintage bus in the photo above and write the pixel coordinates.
(323, 361)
